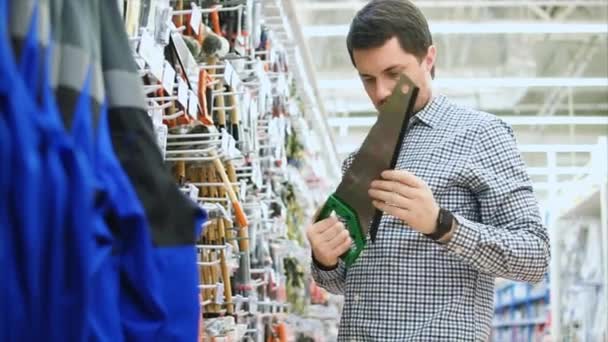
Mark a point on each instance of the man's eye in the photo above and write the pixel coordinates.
(393, 75)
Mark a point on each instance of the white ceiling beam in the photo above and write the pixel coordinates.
(341, 106)
(506, 27)
(512, 120)
(486, 82)
(357, 5)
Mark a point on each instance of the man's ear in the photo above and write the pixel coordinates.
(430, 58)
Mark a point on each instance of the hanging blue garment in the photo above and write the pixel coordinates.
(24, 240)
(5, 178)
(65, 274)
(143, 313)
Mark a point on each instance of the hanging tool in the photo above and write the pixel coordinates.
(379, 152)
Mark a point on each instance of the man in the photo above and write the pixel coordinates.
(458, 211)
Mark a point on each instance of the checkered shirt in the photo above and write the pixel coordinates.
(407, 287)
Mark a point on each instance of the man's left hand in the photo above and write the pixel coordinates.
(401, 194)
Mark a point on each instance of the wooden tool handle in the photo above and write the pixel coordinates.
(180, 171)
(179, 19)
(227, 283)
(241, 218)
(231, 171)
(204, 116)
(212, 178)
(215, 22)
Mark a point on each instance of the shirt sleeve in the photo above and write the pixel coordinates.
(510, 241)
(332, 279)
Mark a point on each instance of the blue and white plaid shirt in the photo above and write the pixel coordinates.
(407, 287)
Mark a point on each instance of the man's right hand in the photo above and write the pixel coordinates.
(328, 239)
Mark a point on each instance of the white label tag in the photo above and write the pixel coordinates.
(162, 29)
(228, 71)
(193, 192)
(182, 92)
(196, 18)
(152, 54)
(219, 294)
(157, 116)
(161, 138)
(254, 110)
(231, 77)
(228, 251)
(192, 104)
(245, 103)
(240, 46)
(168, 78)
(243, 190)
(225, 146)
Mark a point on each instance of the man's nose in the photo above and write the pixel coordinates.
(383, 91)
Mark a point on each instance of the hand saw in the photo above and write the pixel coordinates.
(379, 152)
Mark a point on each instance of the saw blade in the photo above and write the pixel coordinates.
(379, 152)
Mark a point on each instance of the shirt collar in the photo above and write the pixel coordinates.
(431, 114)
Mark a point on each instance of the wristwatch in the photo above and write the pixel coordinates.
(445, 219)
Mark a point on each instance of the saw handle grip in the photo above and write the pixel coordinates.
(344, 211)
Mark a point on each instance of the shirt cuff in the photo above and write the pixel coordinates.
(466, 238)
(323, 273)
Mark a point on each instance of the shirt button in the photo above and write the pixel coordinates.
(458, 249)
(357, 298)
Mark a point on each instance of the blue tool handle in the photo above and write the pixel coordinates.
(344, 211)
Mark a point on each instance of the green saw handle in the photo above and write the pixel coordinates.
(343, 210)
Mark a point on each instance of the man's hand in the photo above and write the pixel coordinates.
(407, 197)
(329, 240)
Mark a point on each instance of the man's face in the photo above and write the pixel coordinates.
(379, 69)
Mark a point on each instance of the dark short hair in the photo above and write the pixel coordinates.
(381, 20)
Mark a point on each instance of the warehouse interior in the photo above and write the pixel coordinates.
(165, 165)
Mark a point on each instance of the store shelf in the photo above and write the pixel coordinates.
(524, 301)
(522, 322)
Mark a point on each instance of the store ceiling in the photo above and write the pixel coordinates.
(518, 71)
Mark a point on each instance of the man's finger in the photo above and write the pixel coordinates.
(399, 213)
(332, 232)
(392, 198)
(344, 247)
(404, 177)
(339, 240)
(393, 186)
(323, 225)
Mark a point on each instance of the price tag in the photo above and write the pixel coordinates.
(196, 18)
(245, 103)
(225, 146)
(192, 104)
(161, 138)
(219, 294)
(182, 92)
(240, 46)
(157, 116)
(193, 192)
(152, 54)
(243, 189)
(228, 251)
(231, 77)
(254, 110)
(168, 78)
(162, 29)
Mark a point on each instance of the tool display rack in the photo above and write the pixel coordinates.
(232, 124)
(571, 303)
